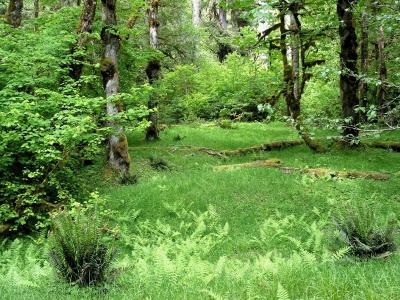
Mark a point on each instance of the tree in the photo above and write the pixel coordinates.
(84, 27)
(118, 155)
(14, 13)
(381, 93)
(294, 83)
(153, 69)
(348, 65)
(196, 12)
(364, 58)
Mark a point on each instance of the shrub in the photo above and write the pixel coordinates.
(226, 124)
(158, 163)
(77, 251)
(364, 234)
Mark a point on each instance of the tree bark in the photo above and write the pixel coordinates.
(153, 70)
(118, 155)
(291, 73)
(85, 26)
(348, 63)
(222, 18)
(196, 12)
(14, 13)
(381, 93)
(36, 8)
(364, 59)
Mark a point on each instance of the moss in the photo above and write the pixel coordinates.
(122, 149)
(395, 146)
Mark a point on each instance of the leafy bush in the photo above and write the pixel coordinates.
(77, 251)
(230, 90)
(226, 124)
(364, 234)
(49, 126)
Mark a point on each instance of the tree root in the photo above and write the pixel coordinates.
(317, 172)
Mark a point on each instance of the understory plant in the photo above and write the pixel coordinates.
(366, 235)
(77, 250)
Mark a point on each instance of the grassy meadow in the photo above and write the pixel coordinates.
(189, 232)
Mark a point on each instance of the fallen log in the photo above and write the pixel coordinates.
(389, 145)
(255, 164)
(317, 172)
(225, 153)
(322, 172)
(264, 147)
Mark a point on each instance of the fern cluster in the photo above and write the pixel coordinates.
(77, 251)
(366, 236)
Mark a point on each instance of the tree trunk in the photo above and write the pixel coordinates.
(223, 48)
(381, 93)
(14, 13)
(36, 8)
(364, 60)
(295, 45)
(348, 62)
(85, 26)
(153, 70)
(222, 18)
(118, 155)
(287, 69)
(196, 12)
(291, 73)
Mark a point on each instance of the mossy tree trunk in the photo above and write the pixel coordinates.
(348, 63)
(153, 70)
(14, 13)
(118, 155)
(85, 26)
(36, 8)
(294, 72)
(381, 93)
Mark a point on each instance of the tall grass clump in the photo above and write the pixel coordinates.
(77, 252)
(365, 234)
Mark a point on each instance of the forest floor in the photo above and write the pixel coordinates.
(191, 232)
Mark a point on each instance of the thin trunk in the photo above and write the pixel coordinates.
(85, 26)
(293, 89)
(364, 59)
(222, 18)
(223, 48)
(381, 93)
(196, 12)
(36, 8)
(118, 155)
(295, 45)
(153, 70)
(287, 69)
(348, 62)
(14, 13)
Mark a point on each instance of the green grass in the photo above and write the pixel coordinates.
(161, 265)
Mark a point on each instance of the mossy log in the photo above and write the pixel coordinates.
(264, 147)
(317, 172)
(255, 164)
(225, 153)
(389, 145)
